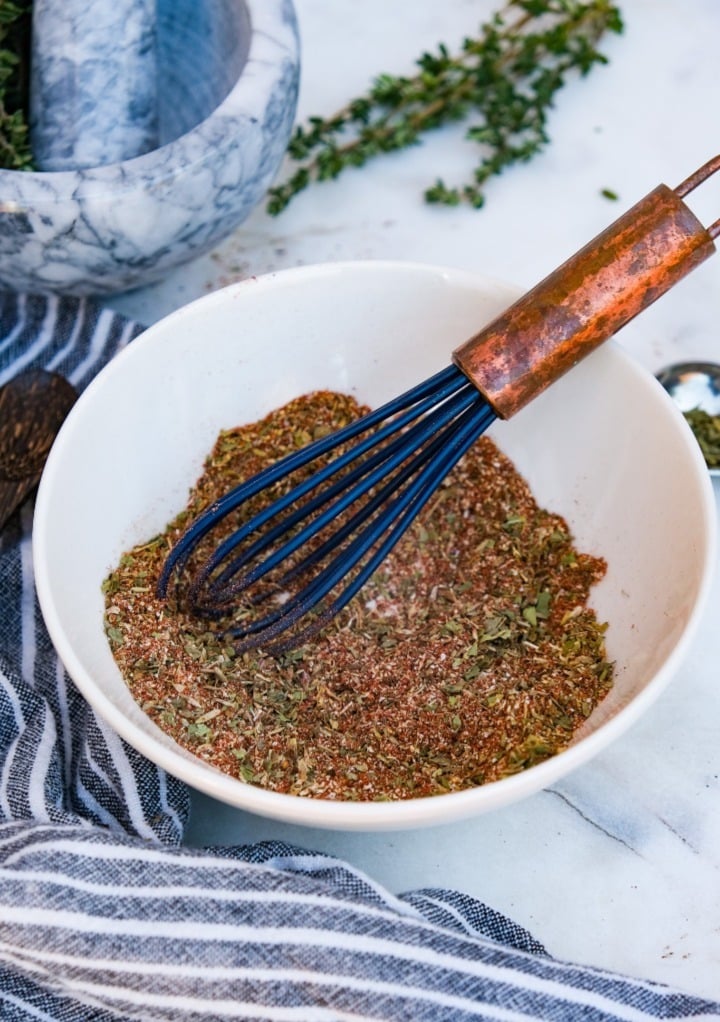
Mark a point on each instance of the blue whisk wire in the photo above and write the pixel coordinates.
(411, 444)
(352, 486)
(418, 400)
(395, 520)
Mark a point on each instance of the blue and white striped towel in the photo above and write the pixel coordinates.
(104, 915)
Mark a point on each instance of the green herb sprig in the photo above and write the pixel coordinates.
(508, 75)
(15, 153)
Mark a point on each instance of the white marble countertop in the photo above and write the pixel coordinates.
(618, 865)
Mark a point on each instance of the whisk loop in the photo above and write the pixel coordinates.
(365, 499)
(330, 531)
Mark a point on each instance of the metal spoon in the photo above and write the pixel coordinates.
(693, 385)
(33, 406)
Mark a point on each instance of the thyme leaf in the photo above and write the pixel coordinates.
(508, 76)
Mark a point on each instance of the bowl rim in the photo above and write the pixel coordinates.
(346, 815)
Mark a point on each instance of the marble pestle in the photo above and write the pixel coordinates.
(93, 90)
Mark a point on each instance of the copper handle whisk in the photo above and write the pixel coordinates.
(334, 528)
(590, 297)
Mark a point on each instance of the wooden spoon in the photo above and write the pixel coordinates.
(33, 406)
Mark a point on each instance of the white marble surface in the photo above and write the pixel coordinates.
(620, 864)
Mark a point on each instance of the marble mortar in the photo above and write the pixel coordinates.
(228, 74)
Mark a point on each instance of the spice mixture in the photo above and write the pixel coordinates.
(470, 655)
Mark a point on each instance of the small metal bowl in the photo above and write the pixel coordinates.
(694, 385)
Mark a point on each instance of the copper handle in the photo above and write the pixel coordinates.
(589, 298)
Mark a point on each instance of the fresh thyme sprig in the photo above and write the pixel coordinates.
(508, 75)
(15, 151)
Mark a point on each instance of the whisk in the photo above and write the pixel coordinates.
(284, 572)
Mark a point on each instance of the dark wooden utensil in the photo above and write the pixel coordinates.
(33, 406)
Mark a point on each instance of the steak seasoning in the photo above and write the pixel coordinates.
(470, 655)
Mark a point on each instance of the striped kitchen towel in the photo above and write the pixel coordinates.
(105, 915)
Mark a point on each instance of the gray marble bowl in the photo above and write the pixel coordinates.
(228, 75)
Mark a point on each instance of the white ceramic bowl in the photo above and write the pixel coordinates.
(605, 447)
(227, 93)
